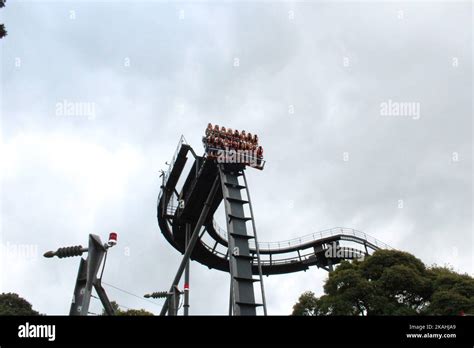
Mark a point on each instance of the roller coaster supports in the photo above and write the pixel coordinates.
(174, 303)
(257, 247)
(192, 241)
(330, 266)
(231, 296)
(186, 275)
(240, 259)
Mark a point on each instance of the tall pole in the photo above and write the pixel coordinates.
(87, 275)
(231, 295)
(186, 274)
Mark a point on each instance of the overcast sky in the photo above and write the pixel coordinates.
(311, 78)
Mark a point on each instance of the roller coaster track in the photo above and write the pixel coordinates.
(175, 209)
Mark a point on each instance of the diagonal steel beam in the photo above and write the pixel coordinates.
(192, 241)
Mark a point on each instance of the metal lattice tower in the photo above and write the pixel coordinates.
(242, 299)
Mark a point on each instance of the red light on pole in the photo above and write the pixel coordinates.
(112, 238)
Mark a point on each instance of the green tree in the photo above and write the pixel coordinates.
(12, 304)
(3, 31)
(306, 304)
(390, 282)
(452, 292)
(136, 312)
(128, 312)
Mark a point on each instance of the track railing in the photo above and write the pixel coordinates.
(236, 156)
(275, 260)
(166, 174)
(295, 242)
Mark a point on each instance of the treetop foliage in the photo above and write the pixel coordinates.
(390, 282)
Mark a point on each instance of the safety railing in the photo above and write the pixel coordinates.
(172, 205)
(166, 174)
(236, 156)
(295, 242)
(275, 261)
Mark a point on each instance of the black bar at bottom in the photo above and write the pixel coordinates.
(289, 330)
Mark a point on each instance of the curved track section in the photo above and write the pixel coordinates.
(176, 209)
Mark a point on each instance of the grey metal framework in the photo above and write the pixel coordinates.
(242, 299)
(192, 206)
(87, 275)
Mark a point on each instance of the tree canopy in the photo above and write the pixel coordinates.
(3, 31)
(12, 304)
(128, 312)
(390, 282)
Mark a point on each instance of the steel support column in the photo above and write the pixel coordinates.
(186, 274)
(192, 241)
